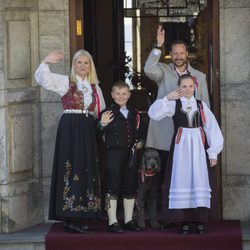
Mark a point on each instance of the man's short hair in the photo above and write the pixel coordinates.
(176, 42)
(120, 84)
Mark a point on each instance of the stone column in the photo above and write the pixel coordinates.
(235, 96)
(20, 173)
(29, 29)
(53, 23)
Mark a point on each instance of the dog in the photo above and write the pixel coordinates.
(147, 188)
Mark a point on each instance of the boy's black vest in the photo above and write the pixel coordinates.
(121, 132)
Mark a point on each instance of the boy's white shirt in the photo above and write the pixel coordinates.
(163, 107)
(124, 111)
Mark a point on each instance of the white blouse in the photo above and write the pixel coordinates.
(60, 84)
(163, 107)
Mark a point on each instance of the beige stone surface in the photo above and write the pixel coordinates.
(236, 202)
(1, 76)
(20, 121)
(47, 96)
(222, 45)
(17, 213)
(3, 94)
(237, 45)
(235, 96)
(50, 113)
(18, 41)
(53, 4)
(17, 4)
(23, 246)
(53, 37)
(20, 133)
(237, 150)
(236, 4)
(35, 207)
(3, 148)
(46, 197)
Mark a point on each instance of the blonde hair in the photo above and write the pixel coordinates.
(92, 76)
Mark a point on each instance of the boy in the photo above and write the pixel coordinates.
(122, 128)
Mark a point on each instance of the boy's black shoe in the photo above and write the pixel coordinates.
(131, 226)
(115, 228)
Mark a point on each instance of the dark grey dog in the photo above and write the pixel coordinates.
(148, 187)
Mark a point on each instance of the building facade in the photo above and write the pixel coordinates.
(29, 115)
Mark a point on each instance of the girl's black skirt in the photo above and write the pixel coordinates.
(75, 187)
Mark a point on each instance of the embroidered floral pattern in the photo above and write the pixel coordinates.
(76, 177)
(92, 202)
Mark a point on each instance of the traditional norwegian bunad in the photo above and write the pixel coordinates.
(75, 188)
(190, 192)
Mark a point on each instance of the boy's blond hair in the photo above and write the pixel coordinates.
(120, 84)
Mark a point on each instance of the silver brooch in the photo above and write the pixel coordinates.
(189, 108)
(85, 89)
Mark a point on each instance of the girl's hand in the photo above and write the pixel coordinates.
(107, 117)
(174, 95)
(213, 162)
(53, 57)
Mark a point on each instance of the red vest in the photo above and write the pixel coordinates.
(73, 99)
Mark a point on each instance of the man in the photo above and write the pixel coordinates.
(166, 76)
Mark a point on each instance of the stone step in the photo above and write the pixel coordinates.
(29, 239)
(34, 238)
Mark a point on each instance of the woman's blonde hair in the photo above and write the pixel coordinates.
(92, 76)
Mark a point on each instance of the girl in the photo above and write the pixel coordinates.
(189, 179)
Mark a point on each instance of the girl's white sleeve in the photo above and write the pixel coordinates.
(213, 133)
(161, 108)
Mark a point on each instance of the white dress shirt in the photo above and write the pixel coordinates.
(124, 111)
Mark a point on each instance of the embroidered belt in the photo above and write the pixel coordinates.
(179, 134)
(78, 111)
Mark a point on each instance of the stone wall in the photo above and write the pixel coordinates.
(53, 35)
(235, 100)
(28, 117)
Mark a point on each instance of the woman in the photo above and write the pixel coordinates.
(75, 185)
(189, 193)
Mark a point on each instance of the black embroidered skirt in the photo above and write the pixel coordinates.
(75, 187)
